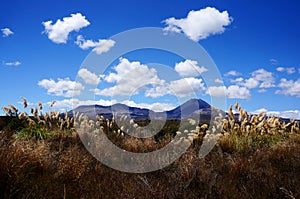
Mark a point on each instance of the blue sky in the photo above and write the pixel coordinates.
(255, 45)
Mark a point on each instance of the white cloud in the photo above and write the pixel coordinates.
(238, 80)
(216, 91)
(6, 32)
(289, 87)
(265, 78)
(280, 69)
(59, 31)
(154, 107)
(63, 87)
(232, 92)
(273, 61)
(67, 104)
(218, 81)
(130, 78)
(189, 68)
(258, 111)
(16, 63)
(186, 87)
(200, 24)
(237, 92)
(232, 73)
(181, 88)
(101, 46)
(294, 114)
(288, 70)
(259, 78)
(88, 76)
(73, 103)
(157, 91)
(250, 83)
(262, 90)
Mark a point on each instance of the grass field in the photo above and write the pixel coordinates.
(43, 157)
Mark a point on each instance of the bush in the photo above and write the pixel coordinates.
(15, 124)
(34, 132)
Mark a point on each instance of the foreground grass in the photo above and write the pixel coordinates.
(238, 167)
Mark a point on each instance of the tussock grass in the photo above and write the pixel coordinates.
(48, 160)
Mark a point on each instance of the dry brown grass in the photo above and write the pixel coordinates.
(61, 167)
(242, 165)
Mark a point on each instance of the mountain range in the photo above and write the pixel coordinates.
(192, 107)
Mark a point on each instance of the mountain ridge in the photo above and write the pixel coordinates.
(187, 109)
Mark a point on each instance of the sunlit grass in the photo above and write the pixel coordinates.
(42, 156)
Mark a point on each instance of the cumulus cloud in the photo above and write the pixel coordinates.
(15, 63)
(130, 78)
(232, 92)
(73, 103)
(181, 88)
(218, 81)
(88, 77)
(238, 80)
(189, 68)
(259, 78)
(262, 90)
(6, 32)
(294, 114)
(99, 47)
(60, 30)
(216, 91)
(258, 111)
(250, 83)
(66, 104)
(62, 87)
(237, 92)
(290, 70)
(157, 106)
(265, 78)
(186, 86)
(232, 73)
(157, 91)
(289, 87)
(200, 24)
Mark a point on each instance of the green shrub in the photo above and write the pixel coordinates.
(15, 124)
(34, 132)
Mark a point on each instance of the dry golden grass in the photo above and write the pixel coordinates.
(260, 161)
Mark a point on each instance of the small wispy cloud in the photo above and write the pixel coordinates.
(290, 70)
(232, 73)
(15, 63)
(100, 46)
(218, 81)
(6, 32)
(273, 61)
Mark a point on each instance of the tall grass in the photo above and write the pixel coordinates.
(256, 157)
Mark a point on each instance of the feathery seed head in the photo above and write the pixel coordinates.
(13, 108)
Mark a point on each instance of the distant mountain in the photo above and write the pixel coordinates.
(187, 109)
